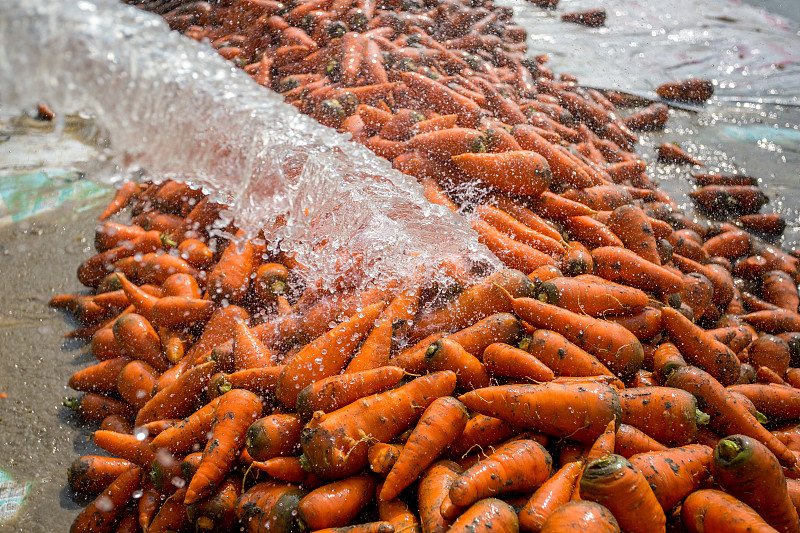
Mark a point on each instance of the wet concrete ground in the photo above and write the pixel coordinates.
(38, 437)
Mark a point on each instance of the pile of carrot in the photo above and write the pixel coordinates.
(631, 369)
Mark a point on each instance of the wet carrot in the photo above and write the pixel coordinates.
(554, 493)
(137, 339)
(580, 516)
(334, 392)
(623, 266)
(605, 480)
(633, 227)
(441, 98)
(612, 344)
(135, 383)
(189, 433)
(489, 514)
(236, 411)
(273, 436)
(100, 377)
(90, 474)
(122, 198)
(714, 510)
(524, 215)
(672, 153)
(336, 504)
(501, 359)
(728, 416)
(92, 271)
(230, 278)
(779, 289)
(675, 473)
(433, 488)
(334, 443)
(446, 354)
(561, 356)
(546, 408)
(125, 446)
(518, 231)
(100, 516)
(441, 423)
(382, 457)
(592, 295)
(94, 407)
(269, 506)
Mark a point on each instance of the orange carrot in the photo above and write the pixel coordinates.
(444, 144)
(632, 226)
(382, 457)
(334, 392)
(335, 444)
(326, 356)
(672, 153)
(236, 411)
(524, 215)
(629, 441)
(269, 506)
(614, 345)
(623, 266)
(516, 172)
(580, 411)
(561, 356)
(122, 198)
(522, 465)
(136, 382)
(728, 416)
(273, 436)
(488, 515)
(137, 338)
(446, 354)
(90, 474)
(605, 480)
(580, 516)
(179, 398)
(433, 488)
(714, 510)
(335, 504)
(128, 447)
(189, 433)
(100, 516)
(95, 407)
(675, 473)
(100, 377)
(554, 493)
(592, 295)
(481, 432)
(503, 360)
(563, 169)
(441, 423)
(748, 470)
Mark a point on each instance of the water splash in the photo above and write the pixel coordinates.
(177, 109)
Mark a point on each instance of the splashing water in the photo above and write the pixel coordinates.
(176, 109)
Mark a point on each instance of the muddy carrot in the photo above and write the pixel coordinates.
(189, 433)
(94, 407)
(675, 473)
(433, 488)
(516, 172)
(630, 441)
(614, 345)
(274, 435)
(179, 398)
(504, 360)
(561, 356)
(623, 266)
(236, 411)
(748, 470)
(128, 447)
(714, 510)
(632, 226)
(90, 474)
(441, 423)
(563, 169)
(100, 516)
(336, 504)
(135, 383)
(334, 443)
(580, 516)
(487, 515)
(546, 407)
(269, 505)
(100, 377)
(592, 295)
(554, 493)
(137, 338)
(606, 479)
(122, 198)
(446, 354)
(728, 416)
(329, 394)
(382, 457)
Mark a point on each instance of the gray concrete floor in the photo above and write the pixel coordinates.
(39, 438)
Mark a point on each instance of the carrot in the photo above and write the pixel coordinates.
(771, 352)
(730, 245)
(699, 348)
(312, 364)
(591, 232)
(122, 198)
(196, 253)
(334, 392)
(612, 344)
(561, 356)
(729, 199)
(481, 432)
(432, 490)
(217, 512)
(524, 215)
(179, 398)
(592, 295)
(629, 441)
(335, 504)
(668, 415)
(382, 457)
(269, 506)
(128, 447)
(501, 359)
(774, 321)
(580, 516)
(516, 172)
(714, 510)
(95, 407)
(580, 411)
(557, 207)
(100, 516)
(779, 289)
(519, 231)
(564, 170)
(171, 515)
(748, 470)
(600, 197)
(236, 411)
(728, 416)
(441, 98)
(273, 436)
(632, 226)
(774, 401)
(92, 271)
(335, 444)
(577, 260)
(512, 253)
(499, 327)
(667, 358)
(100, 377)
(449, 417)
(90, 474)
(672, 153)
(554, 493)
(605, 480)
(112, 234)
(488, 515)
(137, 339)
(446, 354)
(623, 266)
(769, 224)
(375, 350)
(398, 515)
(189, 433)
(479, 301)
(652, 117)
(136, 382)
